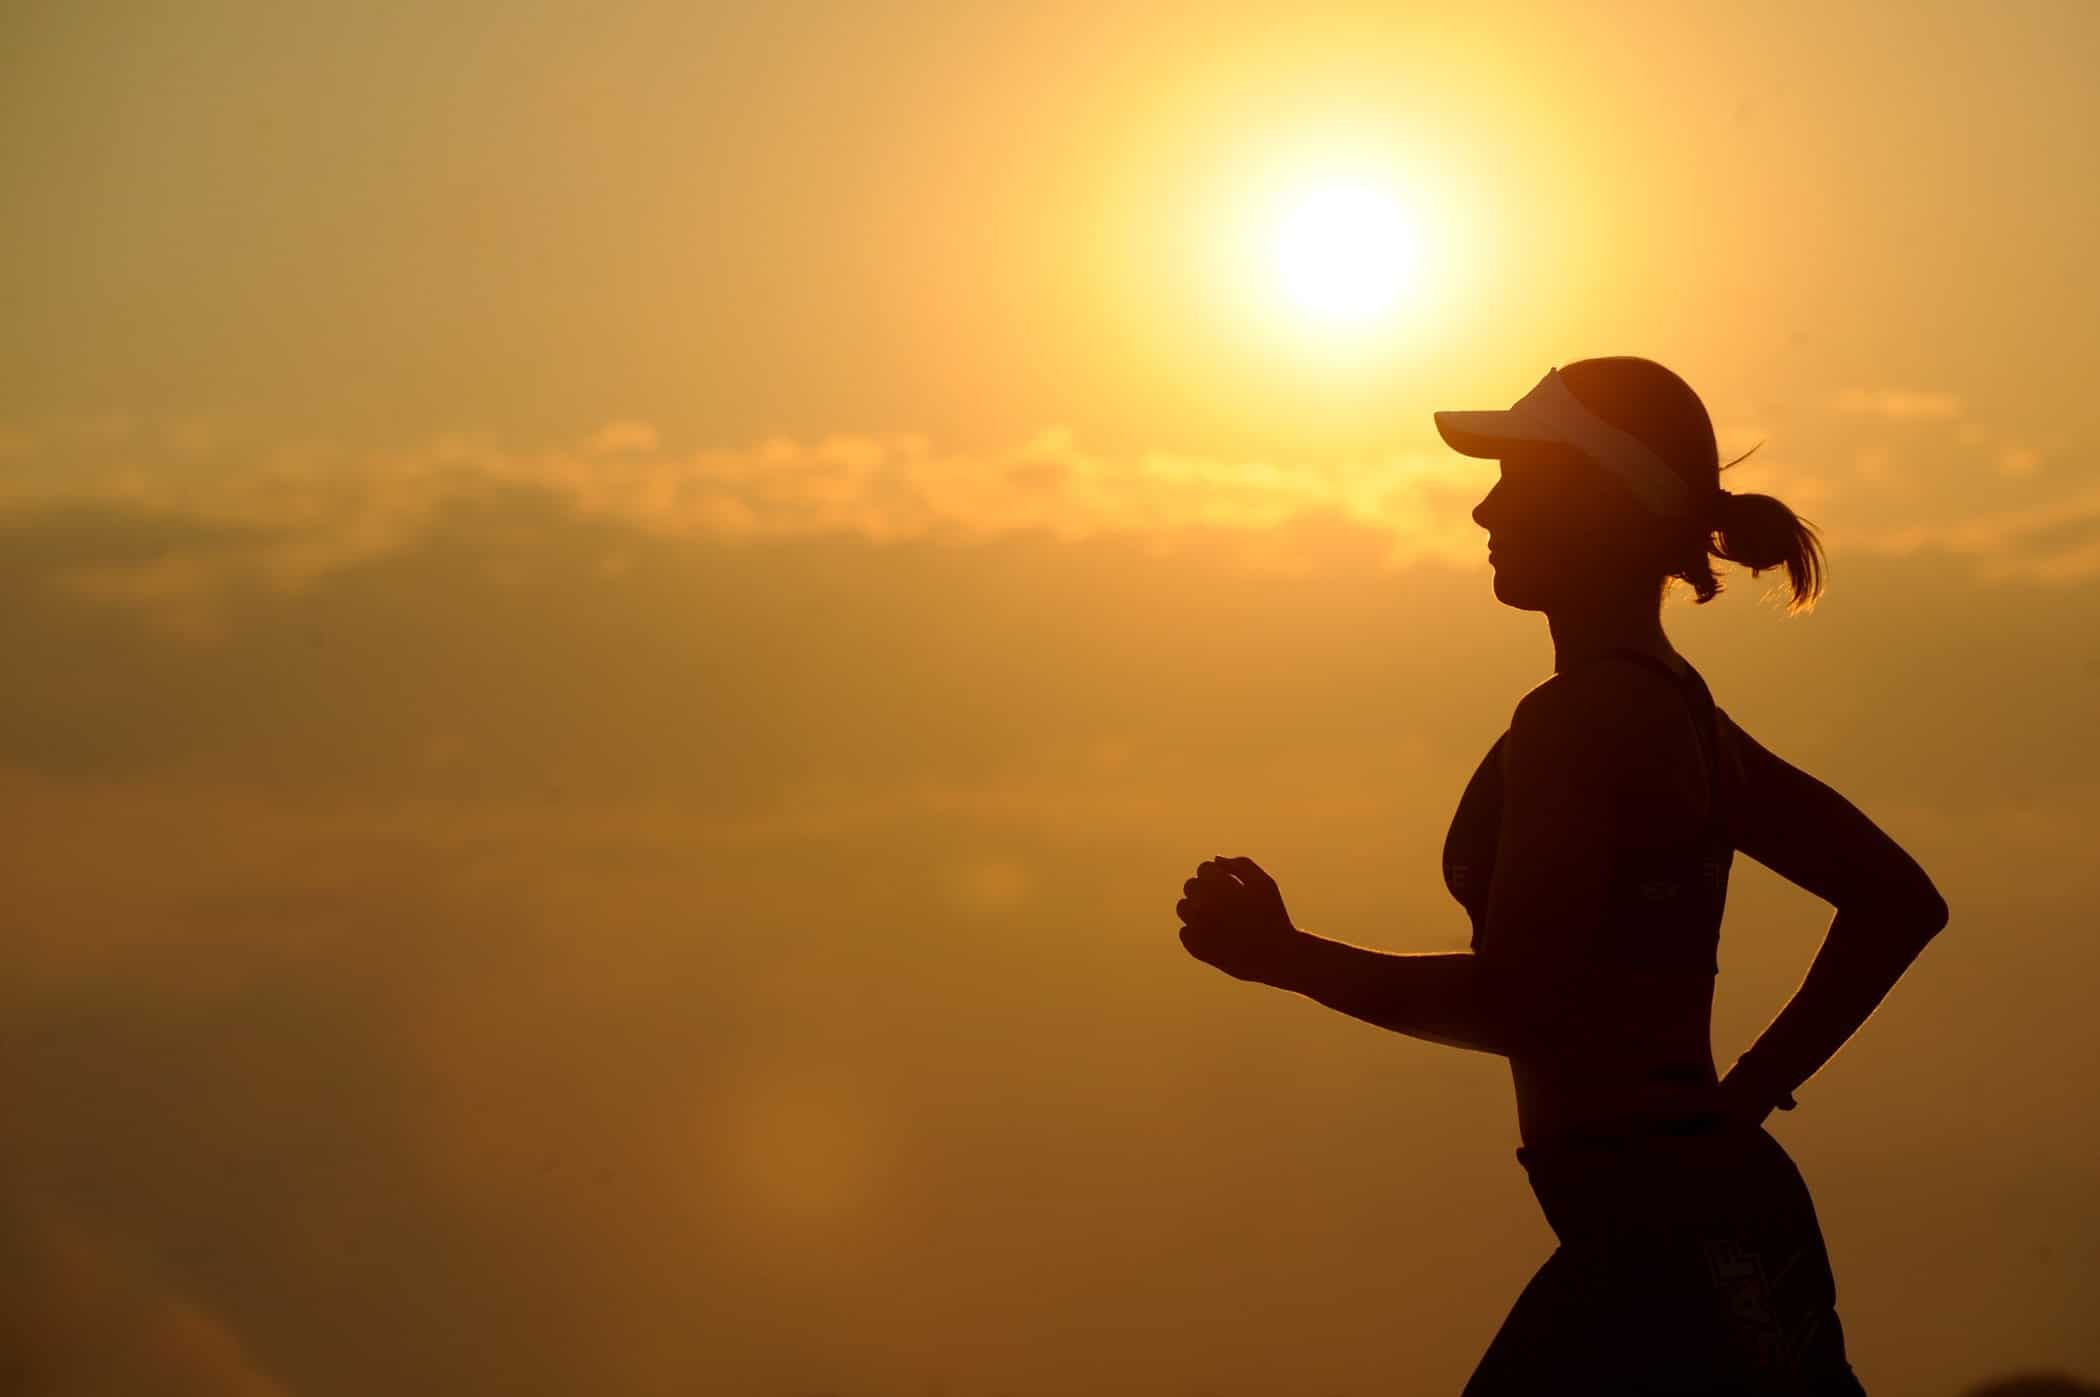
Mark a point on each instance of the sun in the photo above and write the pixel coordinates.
(1346, 252)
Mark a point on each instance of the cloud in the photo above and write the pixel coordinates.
(492, 969)
(276, 521)
(625, 435)
(1899, 404)
(2055, 543)
(2019, 460)
(295, 514)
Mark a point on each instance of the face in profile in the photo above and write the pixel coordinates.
(1558, 528)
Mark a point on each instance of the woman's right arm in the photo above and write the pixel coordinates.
(1887, 910)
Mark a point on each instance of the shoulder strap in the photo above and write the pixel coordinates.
(1706, 717)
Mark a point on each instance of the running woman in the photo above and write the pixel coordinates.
(1591, 851)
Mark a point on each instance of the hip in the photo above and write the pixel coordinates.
(1703, 1235)
(1688, 1171)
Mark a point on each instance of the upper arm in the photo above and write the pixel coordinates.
(1813, 837)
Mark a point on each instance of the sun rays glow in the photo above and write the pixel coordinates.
(1346, 252)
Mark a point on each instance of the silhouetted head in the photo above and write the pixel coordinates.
(1611, 486)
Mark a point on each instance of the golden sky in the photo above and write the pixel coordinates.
(627, 617)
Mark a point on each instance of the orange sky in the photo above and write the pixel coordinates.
(628, 618)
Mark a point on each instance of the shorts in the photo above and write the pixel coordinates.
(1690, 1263)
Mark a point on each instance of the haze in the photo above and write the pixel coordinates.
(625, 620)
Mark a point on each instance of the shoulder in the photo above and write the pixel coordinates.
(1607, 708)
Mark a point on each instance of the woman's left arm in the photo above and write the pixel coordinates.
(1436, 996)
(1234, 918)
(1571, 743)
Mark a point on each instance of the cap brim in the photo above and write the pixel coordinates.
(1485, 433)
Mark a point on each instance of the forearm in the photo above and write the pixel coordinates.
(1436, 996)
(1863, 955)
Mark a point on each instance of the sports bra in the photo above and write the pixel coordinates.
(1664, 905)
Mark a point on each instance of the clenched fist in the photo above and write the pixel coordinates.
(1233, 917)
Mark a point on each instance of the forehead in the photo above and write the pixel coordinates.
(1543, 453)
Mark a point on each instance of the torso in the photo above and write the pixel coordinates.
(1655, 955)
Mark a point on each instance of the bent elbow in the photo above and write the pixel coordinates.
(1914, 916)
(1923, 908)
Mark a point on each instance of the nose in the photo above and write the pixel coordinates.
(1482, 512)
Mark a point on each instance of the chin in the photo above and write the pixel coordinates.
(1511, 590)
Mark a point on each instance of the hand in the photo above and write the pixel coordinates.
(1233, 918)
(1742, 1101)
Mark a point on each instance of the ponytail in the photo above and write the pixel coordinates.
(1760, 532)
(1645, 400)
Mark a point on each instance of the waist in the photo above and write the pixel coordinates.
(1664, 1175)
(1598, 1097)
(1587, 1138)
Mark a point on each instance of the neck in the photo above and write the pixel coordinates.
(1583, 633)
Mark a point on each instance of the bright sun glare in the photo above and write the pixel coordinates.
(1346, 253)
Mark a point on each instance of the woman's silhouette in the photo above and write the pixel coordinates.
(1591, 851)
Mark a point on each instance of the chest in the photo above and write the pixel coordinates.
(1664, 895)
